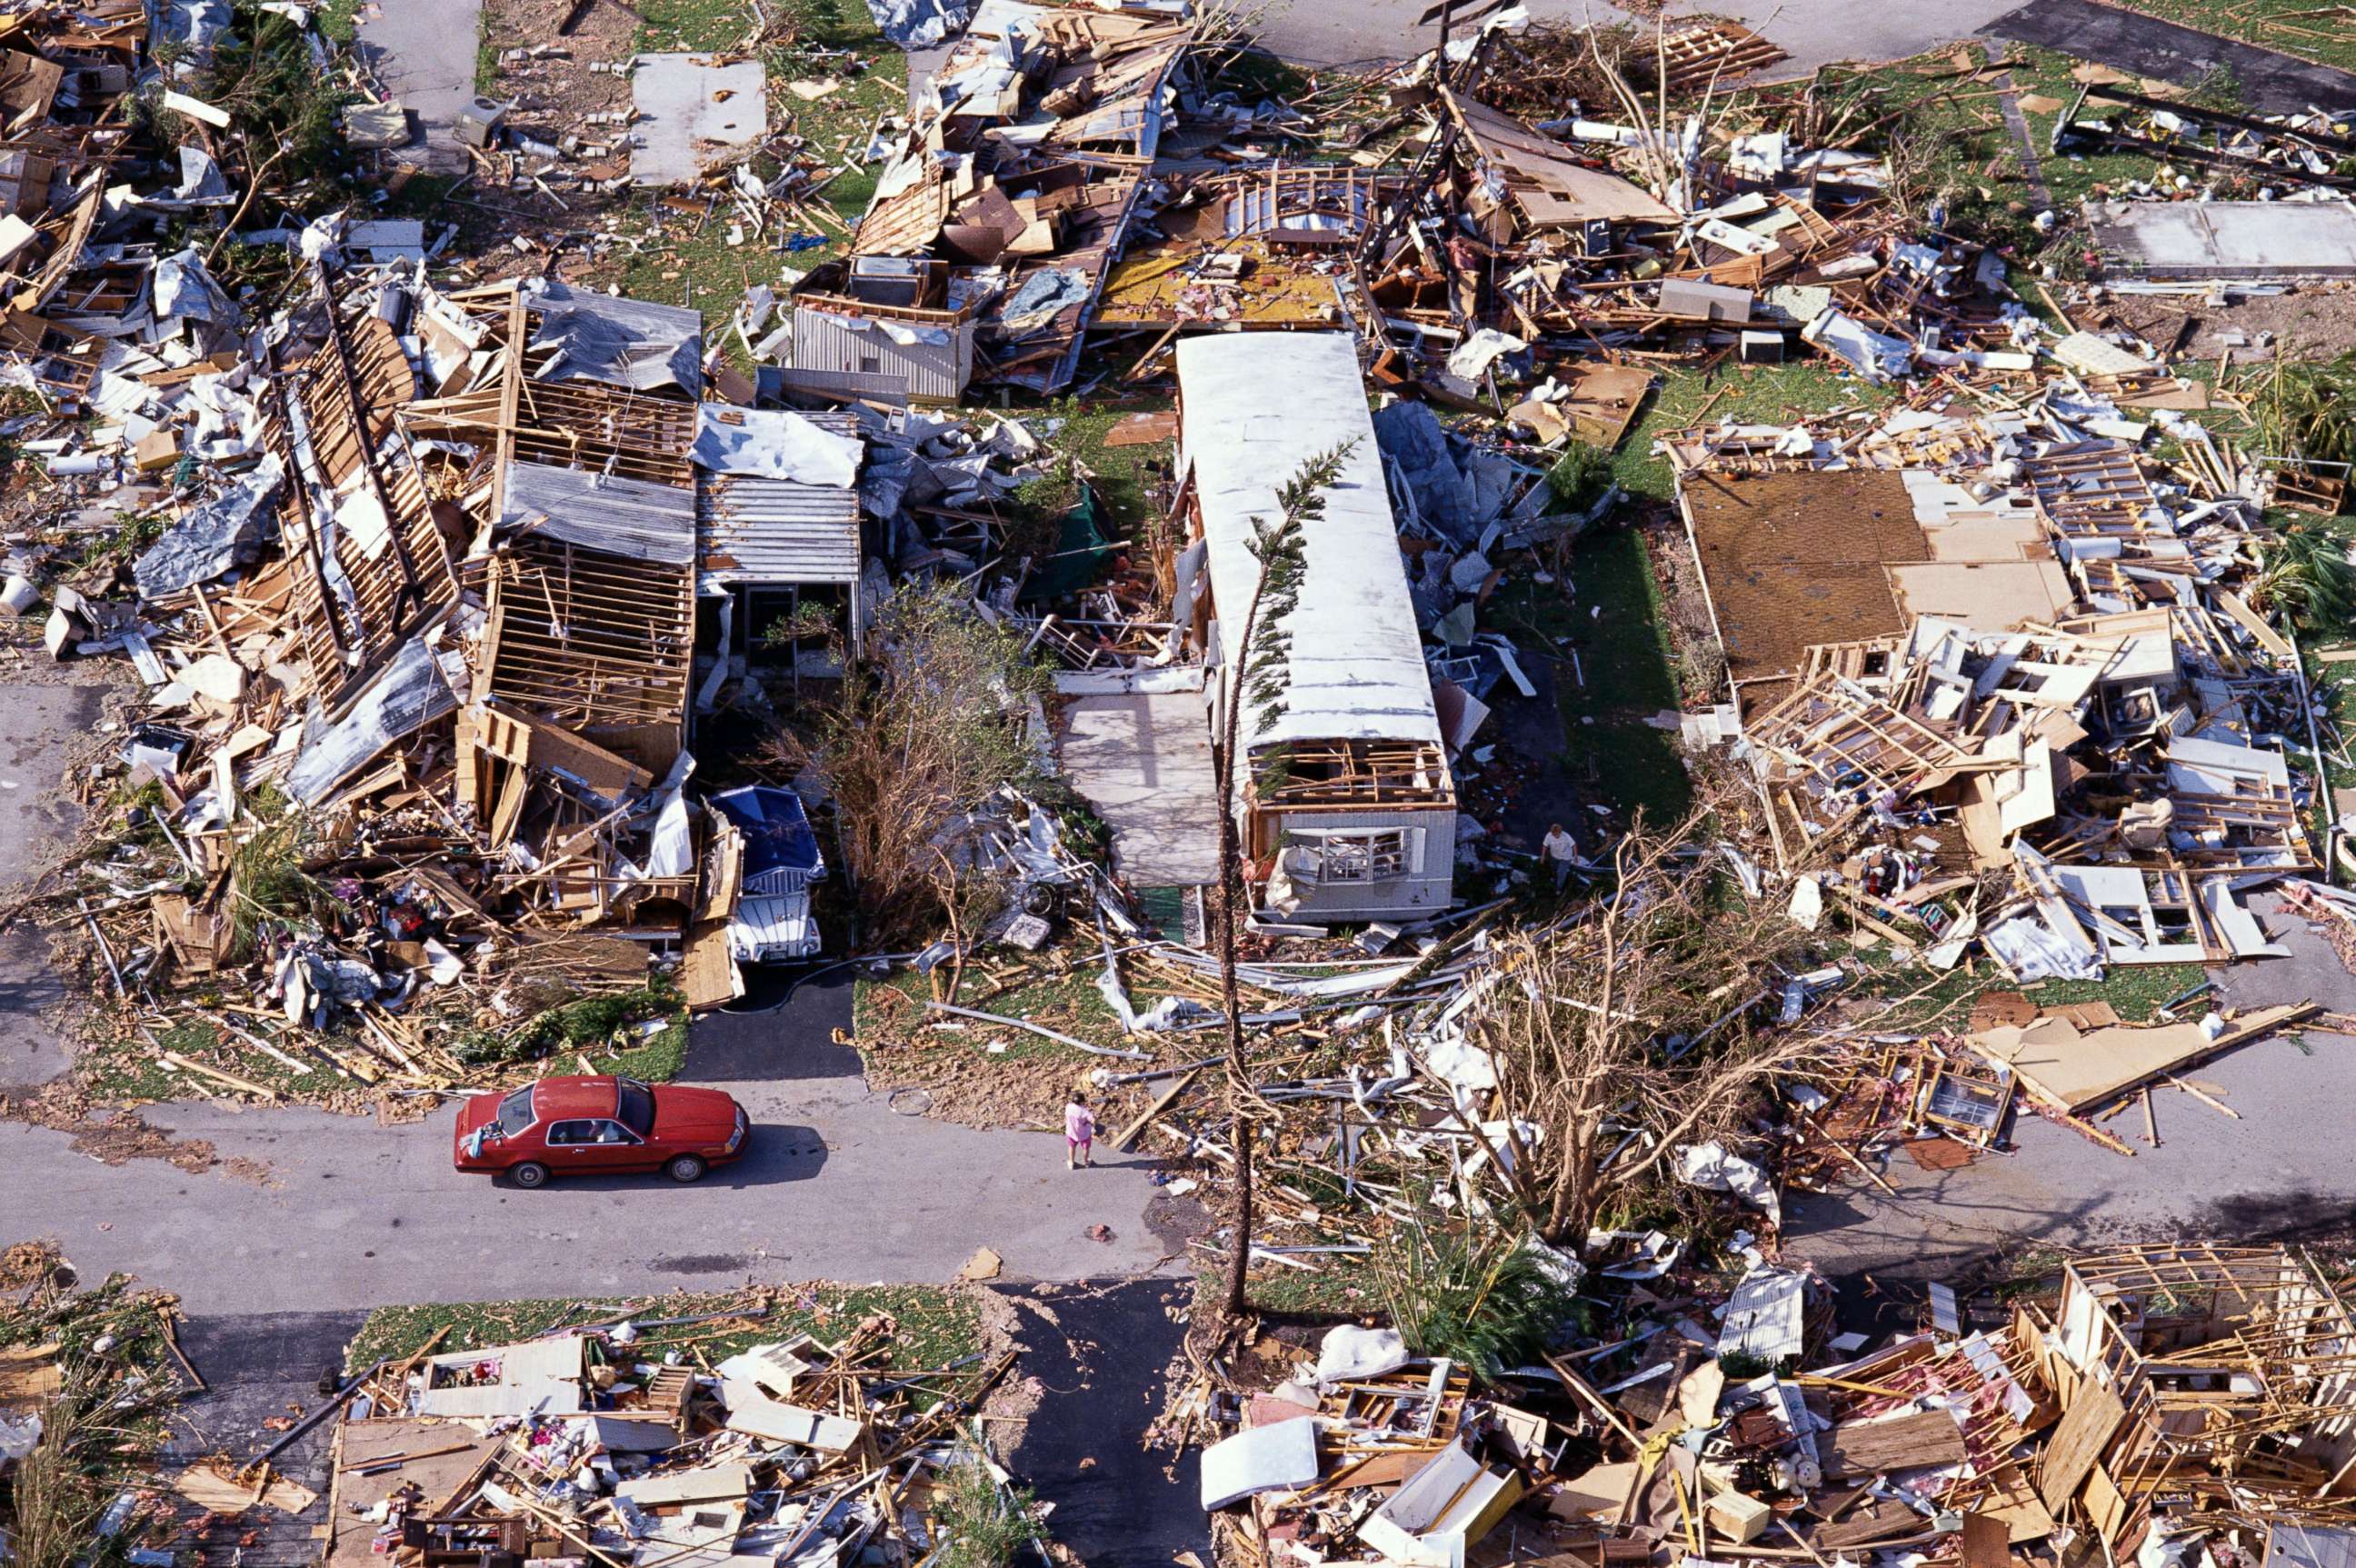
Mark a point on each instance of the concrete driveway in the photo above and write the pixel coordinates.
(836, 1186)
(424, 53)
(1815, 32)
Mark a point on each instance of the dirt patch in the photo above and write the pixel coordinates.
(29, 1262)
(947, 1077)
(553, 88)
(1007, 1412)
(2309, 322)
(119, 1137)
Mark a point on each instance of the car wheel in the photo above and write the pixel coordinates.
(529, 1174)
(686, 1167)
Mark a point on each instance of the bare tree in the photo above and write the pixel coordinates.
(924, 732)
(1632, 1032)
(1259, 679)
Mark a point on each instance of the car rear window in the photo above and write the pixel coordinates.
(515, 1112)
(637, 1108)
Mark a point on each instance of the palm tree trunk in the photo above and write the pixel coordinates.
(1230, 917)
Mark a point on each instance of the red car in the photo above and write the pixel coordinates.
(602, 1124)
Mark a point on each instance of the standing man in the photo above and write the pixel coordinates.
(1079, 1131)
(1560, 852)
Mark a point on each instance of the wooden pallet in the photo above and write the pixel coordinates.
(1701, 51)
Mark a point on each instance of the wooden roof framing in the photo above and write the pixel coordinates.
(2092, 489)
(340, 430)
(1700, 51)
(1355, 775)
(596, 642)
(1840, 733)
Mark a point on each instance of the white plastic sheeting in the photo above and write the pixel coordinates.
(775, 444)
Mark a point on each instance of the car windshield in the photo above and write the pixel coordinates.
(515, 1113)
(637, 1111)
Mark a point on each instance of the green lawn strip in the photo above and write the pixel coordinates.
(1071, 1004)
(2286, 27)
(2136, 992)
(1623, 674)
(117, 1065)
(1335, 1285)
(1119, 474)
(689, 261)
(1764, 394)
(933, 1324)
(338, 20)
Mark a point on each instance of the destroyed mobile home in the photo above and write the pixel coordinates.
(577, 1444)
(606, 1444)
(442, 605)
(2175, 1403)
(1969, 640)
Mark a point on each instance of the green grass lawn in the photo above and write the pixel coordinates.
(1756, 393)
(615, 1035)
(2298, 28)
(2136, 992)
(1623, 672)
(1071, 1004)
(934, 1325)
(1120, 475)
(690, 261)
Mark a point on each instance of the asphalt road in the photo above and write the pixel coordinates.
(1814, 32)
(2268, 82)
(35, 724)
(835, 1186)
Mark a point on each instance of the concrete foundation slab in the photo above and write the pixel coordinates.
(2226, 239)
(687, 106)
(1144, 762)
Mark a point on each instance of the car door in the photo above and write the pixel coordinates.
(616, 1148)
(576, 1146)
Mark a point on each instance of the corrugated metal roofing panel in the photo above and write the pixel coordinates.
(621, 342)
(623, 517)
(1254, 407)
(755, 529)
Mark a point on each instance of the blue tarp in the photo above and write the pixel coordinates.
(780, 852)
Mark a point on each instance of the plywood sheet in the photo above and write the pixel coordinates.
(1987, 595)
(1903, 1442)
(2077, 1443)
(2077, 1069)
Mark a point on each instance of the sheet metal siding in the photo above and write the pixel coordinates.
(831, 344)
(630, 517)
(1430, 889)
(1253, 407)
(777, 531)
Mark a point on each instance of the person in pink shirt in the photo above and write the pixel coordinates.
(1079, 1131)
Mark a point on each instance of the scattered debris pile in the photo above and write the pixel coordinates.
(575, 1445)
(419, 630)
(89, 1379)
(993, 224)
(2172, 1402)
(2001, 668)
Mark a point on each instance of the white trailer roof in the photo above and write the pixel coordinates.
(1254, 407)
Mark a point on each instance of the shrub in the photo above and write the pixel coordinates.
(983, 1524)
(1475, 1295)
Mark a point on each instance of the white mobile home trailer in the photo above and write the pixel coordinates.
(1359, 822)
